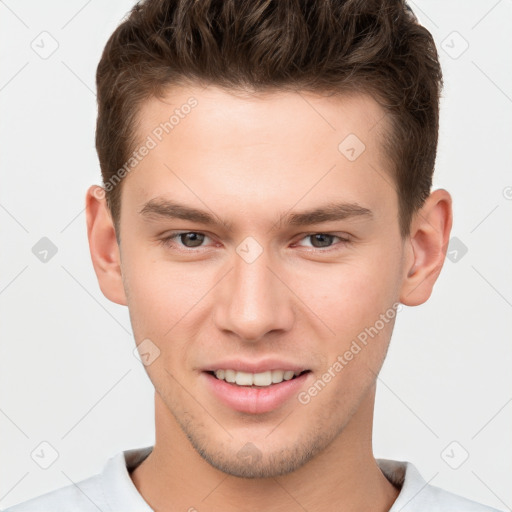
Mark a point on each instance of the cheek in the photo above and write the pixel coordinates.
(356, 303)
(161, 300)
(350, 296)
(168, 301)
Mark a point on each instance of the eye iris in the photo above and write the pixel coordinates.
(327, 239)
(196, 239)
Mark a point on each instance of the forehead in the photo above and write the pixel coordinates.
(259, 114)
(278, 148)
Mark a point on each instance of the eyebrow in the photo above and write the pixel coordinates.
(164, 208)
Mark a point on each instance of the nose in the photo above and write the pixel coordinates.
(254, 300)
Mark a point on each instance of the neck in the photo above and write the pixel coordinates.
(345, 476)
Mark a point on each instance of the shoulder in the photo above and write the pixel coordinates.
(417, 495)
(84, 496)
(443, 500)
(112, 489)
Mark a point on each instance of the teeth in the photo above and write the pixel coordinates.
(244, 379)
(262, 379)
(229, 375)
(257, 379)
(276, 376)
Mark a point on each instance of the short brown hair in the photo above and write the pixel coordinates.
(325, 46)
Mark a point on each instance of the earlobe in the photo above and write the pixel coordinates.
(103, 246)
(430, 233)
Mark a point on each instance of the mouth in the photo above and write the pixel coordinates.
(256, 393)
(256, 380)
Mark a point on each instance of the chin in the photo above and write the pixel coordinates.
(244, 458)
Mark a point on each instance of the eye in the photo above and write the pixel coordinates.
(194, 239)
(188, 239)
(320, 240)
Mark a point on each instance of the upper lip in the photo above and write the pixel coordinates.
(264, 365)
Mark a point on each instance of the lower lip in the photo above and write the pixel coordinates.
(254, 400)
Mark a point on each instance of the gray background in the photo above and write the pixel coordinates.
(68, 376)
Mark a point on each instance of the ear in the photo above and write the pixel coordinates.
(105, 253)
(427, 244)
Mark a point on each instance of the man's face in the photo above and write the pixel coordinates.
(256, 289)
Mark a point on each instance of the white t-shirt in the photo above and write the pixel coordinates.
(113, 490)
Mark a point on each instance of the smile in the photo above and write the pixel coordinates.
(262, 379)
(255, 393)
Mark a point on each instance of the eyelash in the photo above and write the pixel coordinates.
(168, 241)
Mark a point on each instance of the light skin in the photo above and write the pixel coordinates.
(251, 161)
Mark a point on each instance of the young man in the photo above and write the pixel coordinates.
(266, 209)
